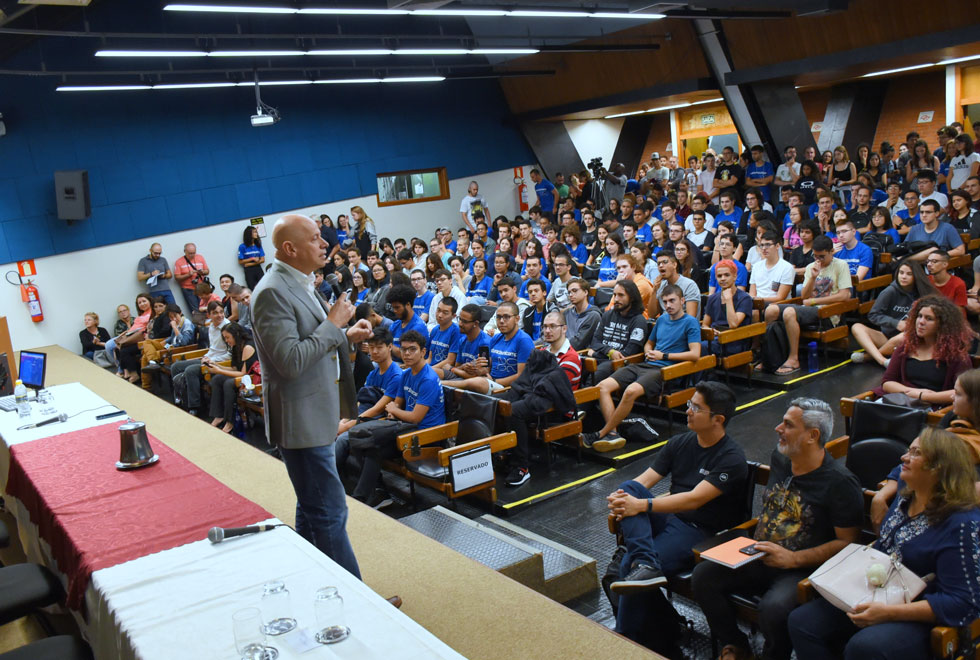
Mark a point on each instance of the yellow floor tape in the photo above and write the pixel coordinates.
(758, 401)
(817, 373)
(640, 451)
(559, 488)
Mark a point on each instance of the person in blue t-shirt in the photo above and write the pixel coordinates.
(729, 211)
(471, 339)
(858, 256)
(545, 190)
(444, 337)
(932, 229)
(759, 174)
(400, 298)
(423, 297)
(676, 337)
(533, 270)
(909, 216)
(509, 350)
(725, 247)
(421, 401)
(480, 285)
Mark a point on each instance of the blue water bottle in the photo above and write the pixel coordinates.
(813, 364)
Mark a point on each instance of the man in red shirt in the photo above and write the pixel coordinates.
(553, 331)
(190, 269)
(937, 264)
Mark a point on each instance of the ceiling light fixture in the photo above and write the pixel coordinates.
(151, 53)
(471, 13)
(662, 108)
(411, 79)
(100, 88)
(900, 70)
(231, 9)
(194, 85)
(256, 53)
(957, 60)
(264, 83)
(626, 114)
(355, 52)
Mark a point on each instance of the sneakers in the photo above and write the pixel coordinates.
(641, 578)
(380, 499)
(517, 476)
(611, 442)
(857, 357)
(152, 365)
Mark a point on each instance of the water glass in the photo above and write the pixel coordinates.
(249, 638)
(46, 400)
(276, 609)
(328, 607)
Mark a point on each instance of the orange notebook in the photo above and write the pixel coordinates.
(729, 553)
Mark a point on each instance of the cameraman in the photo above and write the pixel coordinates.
(188, 271)
(615, 182)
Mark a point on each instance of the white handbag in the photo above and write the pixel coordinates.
(860, 574)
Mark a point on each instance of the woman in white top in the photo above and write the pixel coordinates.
(964, 163)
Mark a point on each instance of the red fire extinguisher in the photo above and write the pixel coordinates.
(30, 295)
(522, 197)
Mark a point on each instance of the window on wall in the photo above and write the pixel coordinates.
(411, 186)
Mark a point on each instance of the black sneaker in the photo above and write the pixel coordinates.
(588, 439)
(380, 499)
(517, 476)
(641, 578)
(610, 442)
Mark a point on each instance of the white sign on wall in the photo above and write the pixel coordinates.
(817, 127)
(926, 117)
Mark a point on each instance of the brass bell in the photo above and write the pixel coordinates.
(134, 447)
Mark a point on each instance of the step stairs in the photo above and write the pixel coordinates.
(548, 567)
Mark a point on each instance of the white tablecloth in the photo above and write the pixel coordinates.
(179, 603)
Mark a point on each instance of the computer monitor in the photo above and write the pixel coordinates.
(32, 368)
(6, 382)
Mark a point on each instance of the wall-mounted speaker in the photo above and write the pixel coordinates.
(71, 194)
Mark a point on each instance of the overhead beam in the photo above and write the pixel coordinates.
(716, 54)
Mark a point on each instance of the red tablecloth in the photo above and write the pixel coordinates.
(94, 516)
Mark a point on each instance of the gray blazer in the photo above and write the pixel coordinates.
(302, 395)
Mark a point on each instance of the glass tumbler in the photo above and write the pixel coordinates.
(328, 607)
(276, 609)
(249, 638)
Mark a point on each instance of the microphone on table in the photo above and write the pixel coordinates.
(51, 420)
(219, 534)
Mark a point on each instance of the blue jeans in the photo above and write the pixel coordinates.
(321, 505)
(193, 302)
(820, 630)
(660, 540)
(165, 294)
(110, 351)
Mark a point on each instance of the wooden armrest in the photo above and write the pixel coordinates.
(748, 525)
(960, 261)
(629, 359)
(847, 403)
(762, 474)
(805, 591)
(741, 332)
(586, 394)
(871, 283)
(838, 446)
(885, 258)
(973, 244)
(791, 301)
(504, 407)
(760, 304)
(686, 368)
(707, 334)
(427, 436)
(589, 364)
(497, 443)
(837, 308)
(612, 523)
(191, 355)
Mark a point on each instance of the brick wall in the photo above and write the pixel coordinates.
(905, 98)
(659, 136)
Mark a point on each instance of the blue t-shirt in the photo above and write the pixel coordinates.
(580, 254)
(422, 303)
(362, 294)
(442, 342)
(544, 270)
(486, 259)
(607, 269)
(250, 251)
(644, 233)
(945, 235)
(669, 336)
(860, 255)
(341, 236)
(536, 320)
(904, 215)
(506, 354)
(741, 277)
(397, 330)
(481, 288)
(390, 381)
(545, 190)
(735, 217)
(466, 350)
(754, 171)
(424, 388)
(522, 292)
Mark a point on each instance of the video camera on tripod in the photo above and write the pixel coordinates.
(595, 166)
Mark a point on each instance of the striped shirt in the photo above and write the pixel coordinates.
(569, 360)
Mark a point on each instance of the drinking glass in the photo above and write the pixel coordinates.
(328, 607)
(249, 638)
(276, 609)
(46, 400)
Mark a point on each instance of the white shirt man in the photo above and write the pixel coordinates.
(473, 202)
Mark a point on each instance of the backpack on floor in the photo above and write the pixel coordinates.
(775, 347)
(638, 430)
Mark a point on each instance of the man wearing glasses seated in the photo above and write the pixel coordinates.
(772, 279)
(509, 350)
(707, 479)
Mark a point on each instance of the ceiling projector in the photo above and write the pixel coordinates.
(265, 116)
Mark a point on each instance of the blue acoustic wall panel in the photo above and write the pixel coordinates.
(162, 162)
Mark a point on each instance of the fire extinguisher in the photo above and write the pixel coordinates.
(522, 199)
(30, 295)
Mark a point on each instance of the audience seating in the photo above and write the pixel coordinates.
(830, 336)
(879, 434)
(61, 647)
(25, 589)
(727, 362)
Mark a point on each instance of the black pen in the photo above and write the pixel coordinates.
(110, 414)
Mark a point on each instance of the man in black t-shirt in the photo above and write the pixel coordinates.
(729, 175)
(812, 509)
(707, 483)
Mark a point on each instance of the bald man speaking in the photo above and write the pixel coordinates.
(307, 380)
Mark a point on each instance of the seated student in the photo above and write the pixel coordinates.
(582, 318)
(933, 229)
(534, 392)
(827, 281)
(181, 334)
(772, 278)
(621, 330)
(445, 289)
(467, 348)
(443, 338)
(628, 269)
(908, 216)
(191, 369)
(419, 405)
(401, 298)
(849, 249)
(565, 270)
(725, 247)
(791, 237)
(951, 286)
(730, 212)
(728, 307)
(502, 271)
(759, 224)
(935, 351)
(607, 267)
(479, 285)
(890, 313)
(224, 392)
(509, 349)
(702, 237)
(533, 315)
(802, 255)
(707, 472)
(423, 297)
(92, 336)
(811, 509)
(676, 337)
(532, 267)
(669, 267)
(507, 291)
(932, 527)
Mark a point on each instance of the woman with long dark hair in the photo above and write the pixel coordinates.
(251, 256)
(224, 393)
(365, 234)
(961, 215)
(607, 267)
(128, 355)
(360, 289)
(890, 313)
(921, 160)
(433, 264)
(808, 182)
